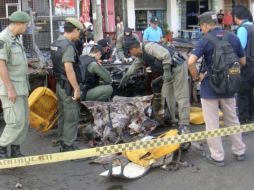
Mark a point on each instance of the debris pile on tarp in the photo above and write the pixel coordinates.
(124, 119)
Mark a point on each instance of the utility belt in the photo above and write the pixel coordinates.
(69, 90)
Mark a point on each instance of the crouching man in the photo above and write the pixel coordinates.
(175, 77)
(92, 73)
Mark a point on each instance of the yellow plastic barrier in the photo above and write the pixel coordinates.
(43, 109)
(197, 117)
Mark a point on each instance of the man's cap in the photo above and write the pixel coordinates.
(128, 44)
(208, 17)
(154, 20)
(75, 22)
(98, 47)
(19, 16)
(127, 31)
(103, 43)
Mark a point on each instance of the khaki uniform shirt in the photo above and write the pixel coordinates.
(13, 53)
(119, 45)
(154, 50)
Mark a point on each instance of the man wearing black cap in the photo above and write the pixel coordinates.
(94, 73)
(153, 33)
(122, 40)
(210, 100)
(65, 59)
(107, 51)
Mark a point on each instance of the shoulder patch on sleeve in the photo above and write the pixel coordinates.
(2, 44)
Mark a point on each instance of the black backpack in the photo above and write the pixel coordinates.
(224, 75)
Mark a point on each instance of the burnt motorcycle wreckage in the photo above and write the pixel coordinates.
(120, 119)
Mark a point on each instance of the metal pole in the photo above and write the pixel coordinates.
(78, 9)
(106, 15)
(51, 21)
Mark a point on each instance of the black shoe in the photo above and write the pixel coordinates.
(244, 121)
(15, 151)
(3, 152)
(173, 124)
(240, 157)
(66, 148)
(210, 160)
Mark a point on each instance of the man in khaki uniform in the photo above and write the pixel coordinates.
(65, 59)
(14, 85)
(175, 77)
(121, 49)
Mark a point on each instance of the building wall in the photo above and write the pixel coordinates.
(131, 13)
(217, 5)
(150, 4)
(173, 16)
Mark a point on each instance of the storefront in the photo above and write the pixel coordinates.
(193, 10)
(146, 9)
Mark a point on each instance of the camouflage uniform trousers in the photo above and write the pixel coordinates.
(69, 117)
(16, 117)
(99, 93)
(177, 90)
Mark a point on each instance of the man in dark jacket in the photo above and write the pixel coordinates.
(210, 100)
(65, 57)
(107, 51)
(93, 73)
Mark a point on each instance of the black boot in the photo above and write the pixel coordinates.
(15, 151)
(66, 148)
(158, 107)
(3, 152)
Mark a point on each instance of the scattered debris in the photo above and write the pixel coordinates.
(18, 185)
(122, 120)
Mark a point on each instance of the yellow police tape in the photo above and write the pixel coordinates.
(111, 149)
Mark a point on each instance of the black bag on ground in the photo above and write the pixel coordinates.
(224, 75)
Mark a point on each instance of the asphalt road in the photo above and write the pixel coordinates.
(80, 175)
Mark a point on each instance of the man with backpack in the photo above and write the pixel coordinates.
(245, 32)
(220, 78)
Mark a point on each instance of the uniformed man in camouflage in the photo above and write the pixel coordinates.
(175, 76)
(65, 60)
(14, 85)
